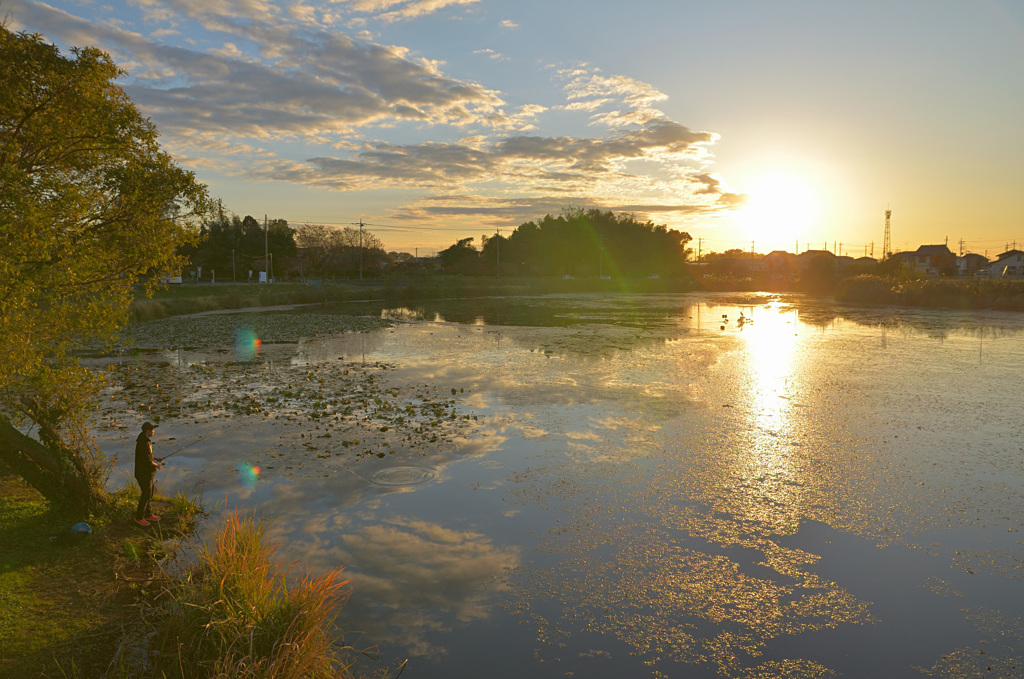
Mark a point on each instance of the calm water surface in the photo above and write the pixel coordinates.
(628, 486)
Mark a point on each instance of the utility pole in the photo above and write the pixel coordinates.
(266, 248)
(497, 255)
(360, 248)
(700, 243)
(961, 247)
(886, 242)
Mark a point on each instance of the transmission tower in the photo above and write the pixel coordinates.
(886, 244)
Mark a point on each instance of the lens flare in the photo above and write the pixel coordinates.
(248, 473)
(247, 344)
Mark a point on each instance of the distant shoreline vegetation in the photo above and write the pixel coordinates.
(864, 289)
(933, 293)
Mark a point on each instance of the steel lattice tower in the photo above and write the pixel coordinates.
(886, 247)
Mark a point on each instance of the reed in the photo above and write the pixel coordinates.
(235, 616)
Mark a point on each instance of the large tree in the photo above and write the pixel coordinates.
(580, 243)
(330, 251)
(89, 203)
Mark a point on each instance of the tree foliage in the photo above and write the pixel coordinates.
(329, 251)
(461, 257)
(231, 246)
(578, 243)
(89, 203)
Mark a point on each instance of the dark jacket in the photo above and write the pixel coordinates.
(145, 466)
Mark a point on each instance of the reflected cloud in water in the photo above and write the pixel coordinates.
(410, 578)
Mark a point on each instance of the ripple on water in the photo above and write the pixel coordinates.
(394, 477)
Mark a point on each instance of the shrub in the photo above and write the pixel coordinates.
(233, 615)
(866, 289)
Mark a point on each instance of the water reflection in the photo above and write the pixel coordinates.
(771, 344)
(642, 481)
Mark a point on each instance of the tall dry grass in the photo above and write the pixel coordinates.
(234, 615)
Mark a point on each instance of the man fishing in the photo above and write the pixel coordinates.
(145, 473)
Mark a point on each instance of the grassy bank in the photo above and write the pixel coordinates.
(103, 606)
(63, 603)
(935, 293)
(189, 299)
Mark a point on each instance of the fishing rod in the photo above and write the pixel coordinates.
(200, 440)
(186, 447)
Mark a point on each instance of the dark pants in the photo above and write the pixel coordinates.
(146, 485)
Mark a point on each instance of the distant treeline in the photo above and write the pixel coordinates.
(577, 243)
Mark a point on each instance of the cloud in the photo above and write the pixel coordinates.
(413, 10)
(497, 56)
(315, 83)
(420, 570)
(591, 170)
(258, 91)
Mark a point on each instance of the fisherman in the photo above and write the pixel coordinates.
(145, 473)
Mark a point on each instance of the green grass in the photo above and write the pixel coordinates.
(62, 605)
(104, 608)
(189, 299)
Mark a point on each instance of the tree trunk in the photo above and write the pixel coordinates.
(51, 469)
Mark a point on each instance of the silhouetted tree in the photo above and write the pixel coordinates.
(460, 258)
(582, 243)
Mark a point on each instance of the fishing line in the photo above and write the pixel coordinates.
(201, 439)
(187, 446)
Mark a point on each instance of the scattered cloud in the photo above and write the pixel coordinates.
(282, 94)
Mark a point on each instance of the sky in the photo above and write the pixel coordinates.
(751, 124)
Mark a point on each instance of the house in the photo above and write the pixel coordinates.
(1010, 264)
(805, 258)
(780, 263)
(931, 260)
(749, 266)
(971, 263)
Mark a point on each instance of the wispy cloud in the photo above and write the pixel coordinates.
(418, 8)
(497, 56)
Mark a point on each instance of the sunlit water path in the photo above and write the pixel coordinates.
(615, 486)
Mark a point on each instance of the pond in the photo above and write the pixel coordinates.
(616, 486)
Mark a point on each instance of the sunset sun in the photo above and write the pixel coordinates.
(781, 209)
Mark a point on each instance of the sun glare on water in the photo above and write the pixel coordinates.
(781, 210)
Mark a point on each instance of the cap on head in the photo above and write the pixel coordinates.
(148, 425)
